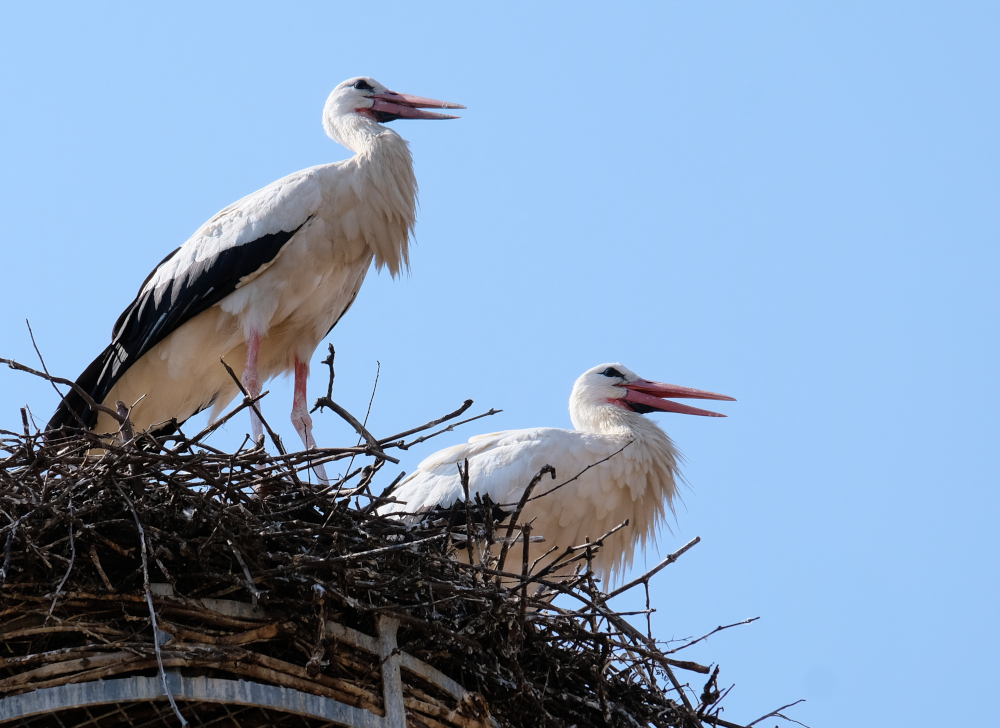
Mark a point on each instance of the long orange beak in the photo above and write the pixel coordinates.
(646, 396)
(404, 106)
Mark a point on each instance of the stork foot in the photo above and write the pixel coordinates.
(253, 387)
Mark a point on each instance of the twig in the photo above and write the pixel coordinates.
(777, 713)
(100, 569)
(371, 400)
(656, 569)
(450, 428)
(384, 495)
(717, 721)
(373, 445)
(252, 401)
(463, 475)
(72, 558)
(126, 426)
(539, 559)
(526, 538)
(42, 360)
(329, 362)
(149, 602)
(224, 419)
(575, 477)
(706, 636)
(251, 587)
(710, 693)
(69, 383)
(4, 570)
(433, 423)
(525, 496)
(385, 549)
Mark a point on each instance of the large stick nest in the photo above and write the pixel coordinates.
(91, 537)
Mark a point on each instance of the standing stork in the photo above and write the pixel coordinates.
(266, 279)
(616, 465)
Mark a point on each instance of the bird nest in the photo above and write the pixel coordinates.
(177, 582)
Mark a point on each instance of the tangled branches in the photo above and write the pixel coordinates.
(111, 553)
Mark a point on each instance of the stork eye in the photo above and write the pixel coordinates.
(363, 85)
(612, 372)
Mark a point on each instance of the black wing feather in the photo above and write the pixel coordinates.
(157, 313)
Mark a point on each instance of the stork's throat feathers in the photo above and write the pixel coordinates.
(387, 215)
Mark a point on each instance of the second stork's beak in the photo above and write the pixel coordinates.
(652, 395)
(404, 106)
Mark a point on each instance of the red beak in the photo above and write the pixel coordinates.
(650, 396)
(404, 106)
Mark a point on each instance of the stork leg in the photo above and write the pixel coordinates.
(301, 419)
(251, 381)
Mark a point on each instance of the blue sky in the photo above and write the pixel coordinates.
(793, 204)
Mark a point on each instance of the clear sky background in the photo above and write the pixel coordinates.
(792, 203)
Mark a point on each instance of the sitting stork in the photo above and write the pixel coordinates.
(616, 465)
(266, 279)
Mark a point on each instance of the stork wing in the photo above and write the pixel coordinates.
(600, 483)
(233, 247)
(502, 464)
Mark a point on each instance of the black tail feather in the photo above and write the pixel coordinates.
(73, 412)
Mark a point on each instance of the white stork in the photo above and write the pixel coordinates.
(624, 465)
(267, 278)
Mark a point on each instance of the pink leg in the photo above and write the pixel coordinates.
(301, 419)
(251, 380)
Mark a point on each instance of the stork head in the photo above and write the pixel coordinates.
(366, 99)
(607, 391)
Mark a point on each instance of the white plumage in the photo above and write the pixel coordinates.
(264, 281)
(624, 465)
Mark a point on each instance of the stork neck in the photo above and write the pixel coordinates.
(610, 420)
(357, 132)
(382, 179)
